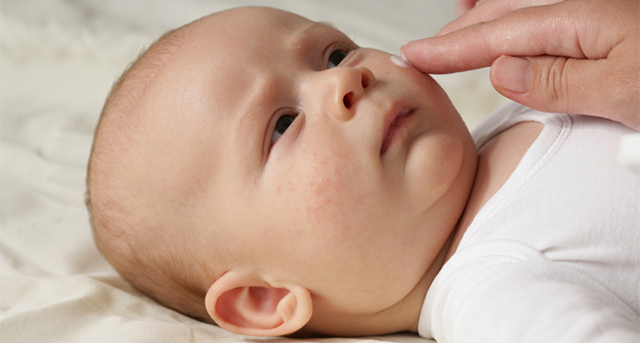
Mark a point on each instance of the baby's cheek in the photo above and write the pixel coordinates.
(435, 161)
(330, 189)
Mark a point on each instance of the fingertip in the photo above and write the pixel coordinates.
(411, 45)
(421, 55)
(412, 55)
(407, 50)
(406, 61)
(404, 48)
(407, 43)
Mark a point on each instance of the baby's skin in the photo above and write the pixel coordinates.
(280, 177)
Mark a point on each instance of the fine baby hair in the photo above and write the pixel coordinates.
(262, 171)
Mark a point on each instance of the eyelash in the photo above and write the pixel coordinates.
(285, 115)
(342, 47)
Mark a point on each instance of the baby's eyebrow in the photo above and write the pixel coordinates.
(318, 25)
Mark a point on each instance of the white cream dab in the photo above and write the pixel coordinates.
(397, 60)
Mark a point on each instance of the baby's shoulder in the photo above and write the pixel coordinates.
(500, 156)
(497, 159)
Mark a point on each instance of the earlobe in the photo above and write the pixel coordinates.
(247, 304)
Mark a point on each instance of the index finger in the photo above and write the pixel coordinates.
(487, 10)
(530, 31)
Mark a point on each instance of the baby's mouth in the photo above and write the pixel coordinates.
(396, 120)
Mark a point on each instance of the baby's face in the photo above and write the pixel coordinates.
(312, 159)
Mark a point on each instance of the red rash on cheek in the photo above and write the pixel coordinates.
(326, 187)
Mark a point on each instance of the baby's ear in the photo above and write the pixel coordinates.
(245, 303)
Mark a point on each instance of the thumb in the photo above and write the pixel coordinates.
(551, 83)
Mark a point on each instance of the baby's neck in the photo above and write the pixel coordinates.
(402, 316)
(496, 162)
(416, 298)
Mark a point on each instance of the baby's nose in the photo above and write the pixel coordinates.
(351, 85)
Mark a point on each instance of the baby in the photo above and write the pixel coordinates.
(260, 171)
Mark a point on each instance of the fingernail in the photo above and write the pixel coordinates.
(514, 74)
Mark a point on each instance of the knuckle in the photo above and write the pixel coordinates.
(551, 83)
(482, 30)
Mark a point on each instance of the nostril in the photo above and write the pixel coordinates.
(365, 81)
(347, 100)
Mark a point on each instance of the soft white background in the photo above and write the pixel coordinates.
(58, 61)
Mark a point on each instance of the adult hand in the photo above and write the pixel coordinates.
(573, 56)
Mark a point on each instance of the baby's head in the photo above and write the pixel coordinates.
(261, 170)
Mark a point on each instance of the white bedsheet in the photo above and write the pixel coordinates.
(58, 60)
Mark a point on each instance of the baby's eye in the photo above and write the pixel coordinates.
(282, 125)
(336, 58)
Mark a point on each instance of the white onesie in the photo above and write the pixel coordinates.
(553, 256)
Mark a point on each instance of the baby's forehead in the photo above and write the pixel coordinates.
(246, 21)
(252, 31)
(236, 45)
